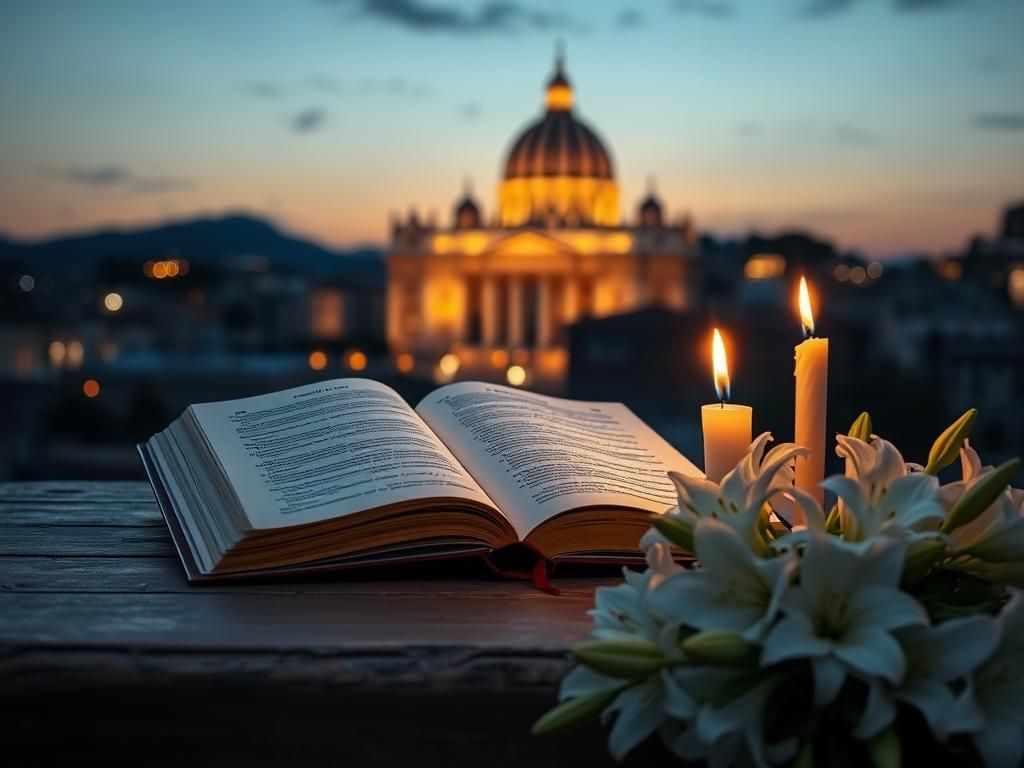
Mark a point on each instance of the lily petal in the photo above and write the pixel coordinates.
(873, 652)
(879, 712)
(793, 638)
(829, 676)
(639, 715)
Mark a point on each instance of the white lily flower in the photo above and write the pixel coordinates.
(999, 692)
(879, 497)
(639, 711)
(619, 612)
(623, 609)
(936, 657)
(740, 499)
(994, 541)
(721, 733)
(843, 613)
(733, 589)
(639, 708)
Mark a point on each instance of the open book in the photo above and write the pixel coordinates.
(345, 473)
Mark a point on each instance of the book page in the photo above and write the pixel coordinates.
(329, 449)
(537, 456)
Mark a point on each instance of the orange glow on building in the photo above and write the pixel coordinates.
(326, 314)
(317, 360)
(765, 266)
(165, 268)
(405, 362)
(58, 351)
(594, 201)
(75, 353)
(449, 364)
(356, 360)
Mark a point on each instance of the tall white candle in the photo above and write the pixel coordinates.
(726, 427)
(811, 402)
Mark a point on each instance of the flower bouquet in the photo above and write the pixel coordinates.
(888, 623)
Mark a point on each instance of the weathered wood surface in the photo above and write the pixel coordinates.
(108, 655)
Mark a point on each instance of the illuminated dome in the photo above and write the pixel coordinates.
(558, 173)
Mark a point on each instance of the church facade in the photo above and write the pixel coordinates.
(492, 301)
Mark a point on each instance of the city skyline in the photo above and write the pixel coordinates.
(890, 126)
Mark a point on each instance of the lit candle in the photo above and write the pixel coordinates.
(811, 398)
(726, 426)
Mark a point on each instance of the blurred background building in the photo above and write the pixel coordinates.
(492, 300)
(184, 191)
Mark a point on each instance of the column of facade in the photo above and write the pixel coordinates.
(515, 310)
(570, 299)
(462, 323)
(488, 310)
(544, 311)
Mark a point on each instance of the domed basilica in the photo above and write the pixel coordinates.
(492, 300)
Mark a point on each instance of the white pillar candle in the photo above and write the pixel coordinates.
(726, 427)
(811, 403)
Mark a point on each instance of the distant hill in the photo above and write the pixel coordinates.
(225, 242)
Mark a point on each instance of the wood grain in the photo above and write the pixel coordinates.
(105, 648)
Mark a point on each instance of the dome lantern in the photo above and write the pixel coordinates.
(559, 92)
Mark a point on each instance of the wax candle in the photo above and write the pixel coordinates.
(811, 400)
(726, 426)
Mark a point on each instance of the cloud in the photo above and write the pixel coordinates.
(1011, 122)
(321, 81)
(397, 87)
(470, 110)
(629, 18)
(309, 119)
(924, 5)
(823, 8)
(710, 9)
(265, 89)
(117, 177)
(502, 16)
(852, 135)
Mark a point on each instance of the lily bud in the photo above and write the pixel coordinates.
(980, 495)
(861, 427)
(885, 750)
(717, 646)
(922, 555)
(806, 757)
(627, 659)
(946, 447)
(574, 711)
(675, 529)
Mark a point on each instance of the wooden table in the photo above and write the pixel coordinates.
(108, 656)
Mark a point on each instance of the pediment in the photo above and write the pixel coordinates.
(528, 243)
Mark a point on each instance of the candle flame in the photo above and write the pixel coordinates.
(720, 365)
(806, 315)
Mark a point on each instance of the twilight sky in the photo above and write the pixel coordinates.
(889, 125)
